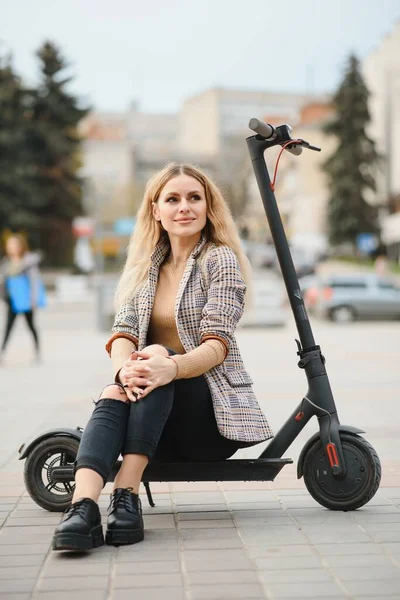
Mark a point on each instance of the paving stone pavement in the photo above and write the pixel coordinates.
(208, 540)
(218, 543)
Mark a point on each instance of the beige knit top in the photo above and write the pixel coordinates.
(163, 330)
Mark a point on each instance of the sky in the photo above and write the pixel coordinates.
(159, 53)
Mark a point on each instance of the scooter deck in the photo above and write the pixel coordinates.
(256, 469)
(261, 469)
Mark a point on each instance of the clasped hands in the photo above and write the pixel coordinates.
(144, 371)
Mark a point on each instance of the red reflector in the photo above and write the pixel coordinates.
(332, 455)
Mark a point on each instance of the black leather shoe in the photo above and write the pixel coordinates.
(80, 528)
(125, 521)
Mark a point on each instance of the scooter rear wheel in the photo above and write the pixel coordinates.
(361, 481)
(52, 452)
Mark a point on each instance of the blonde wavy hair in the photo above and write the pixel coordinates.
(220, 229)
(21, 239)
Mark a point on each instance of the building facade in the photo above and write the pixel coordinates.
(301, 187)
(214, 123)
(381, 71)
(121, 152)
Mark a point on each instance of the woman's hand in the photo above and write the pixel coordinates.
(145, 371)
(160, 371)
(133, 377)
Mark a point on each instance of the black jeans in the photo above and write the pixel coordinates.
(11, 316)
(174, 422)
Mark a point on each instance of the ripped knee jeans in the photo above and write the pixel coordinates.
(175, 422)
(118, 427)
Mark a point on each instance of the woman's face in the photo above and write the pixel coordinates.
(182, 207)
(13, 247)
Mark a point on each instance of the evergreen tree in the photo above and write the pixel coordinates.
(351, 167)
(53, 143)
(14, 165)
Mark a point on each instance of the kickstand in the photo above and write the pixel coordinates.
(148, 492)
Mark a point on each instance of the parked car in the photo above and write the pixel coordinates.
(264, 256)
(305, 262)
(268, 305)
(343, 298)
(310, 286)
(259, 255)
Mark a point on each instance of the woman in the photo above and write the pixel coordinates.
(181, 391)
(19, 261)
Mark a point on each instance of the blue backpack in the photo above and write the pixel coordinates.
(19, 290)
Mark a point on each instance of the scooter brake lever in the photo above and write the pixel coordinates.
(308, 146)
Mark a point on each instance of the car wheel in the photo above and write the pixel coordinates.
(342, 314)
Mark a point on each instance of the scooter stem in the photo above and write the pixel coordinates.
(311, 359)
(257, 146)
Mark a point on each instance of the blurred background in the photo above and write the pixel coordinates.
(96, 96)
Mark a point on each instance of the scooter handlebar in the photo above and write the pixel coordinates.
(268, 132)
(263, 129)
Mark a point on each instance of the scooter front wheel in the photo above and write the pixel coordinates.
(52, 452)
(361, 481)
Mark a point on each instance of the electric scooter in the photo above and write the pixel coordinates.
(341, 469)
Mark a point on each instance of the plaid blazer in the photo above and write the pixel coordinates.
(209, 304)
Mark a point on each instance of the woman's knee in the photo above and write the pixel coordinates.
(113, 392)
(156, 349)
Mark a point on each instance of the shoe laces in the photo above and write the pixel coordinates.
(77, 508)
(122, 497)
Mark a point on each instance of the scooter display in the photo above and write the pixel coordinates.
(341, 470)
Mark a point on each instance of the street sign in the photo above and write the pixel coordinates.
(124, 226)
(366, 242)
